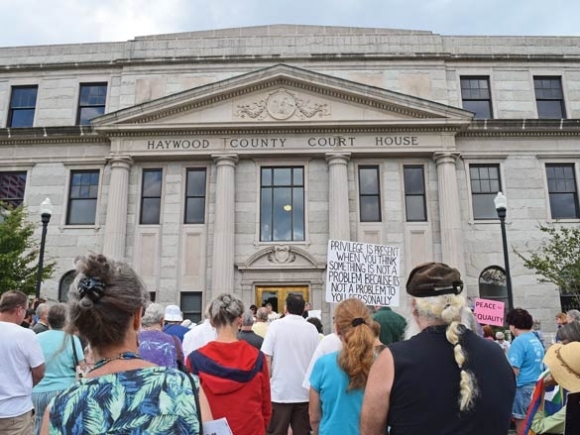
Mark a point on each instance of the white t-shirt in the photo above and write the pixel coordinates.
(19, 353)
(330, 343)
(198, 337)
(291, 342)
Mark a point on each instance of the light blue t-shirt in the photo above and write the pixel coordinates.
(526, 354)
(340, 409)
(60, 364)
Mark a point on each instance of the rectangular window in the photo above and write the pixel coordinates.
(151, 196)
(92, 99)
(12, 186)
(562, 191)
(282, 204)
(549, 97)
(22, 106)
(82, 198)
(485, 184)
(476, 96)
(191, 306)
(369, 193)
(195, 196)
(415, 202)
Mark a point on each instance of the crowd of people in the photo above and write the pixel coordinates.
(109, 361)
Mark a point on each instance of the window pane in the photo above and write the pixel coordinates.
(415, 208)
(191, 306)
(484, 207)
(12, 185)
(298, 177)
(266, 215)
(369, 181)
(298, 213)
(414, 180)
(195, 211)
(152, 182)
(150, 211)
(85, 178)
(282, 214)
(196, 182)
(563, 206)
(266, 177)
(88, 113)
(551, 109)
(82, 211)
(23, 97)
(22, 118)
(282, 176)
(370, 209)
(481, 108)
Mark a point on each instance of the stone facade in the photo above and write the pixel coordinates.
(330, 100)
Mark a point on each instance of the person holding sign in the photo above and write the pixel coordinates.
(446, 379)
(338, 379)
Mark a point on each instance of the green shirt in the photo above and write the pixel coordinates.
(392, 325)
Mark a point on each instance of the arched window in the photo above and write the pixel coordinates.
(492, 284)
(65, 282)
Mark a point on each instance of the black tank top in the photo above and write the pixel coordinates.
(425, 393)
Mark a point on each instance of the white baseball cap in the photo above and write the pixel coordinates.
(173, 314)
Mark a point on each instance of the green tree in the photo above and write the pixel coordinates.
(19, 252)
(557, 260)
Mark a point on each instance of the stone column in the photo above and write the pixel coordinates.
(449, 211)
(223, 236)
(338, 210)
(116, 229)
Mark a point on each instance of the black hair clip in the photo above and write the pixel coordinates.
(357, 321)
(91, 287)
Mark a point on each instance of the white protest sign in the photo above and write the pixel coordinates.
(217, 427)
(364, 271)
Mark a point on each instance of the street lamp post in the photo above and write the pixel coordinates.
(500, 202)
(45, 213)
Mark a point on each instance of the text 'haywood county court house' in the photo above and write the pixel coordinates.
(225, 160)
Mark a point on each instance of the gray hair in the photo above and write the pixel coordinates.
(262, 314)
(248, 318)
(225, 309)
(42, 310)
(154, 315)
(57, 316)
(575, 314)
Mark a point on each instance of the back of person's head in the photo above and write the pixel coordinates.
(353, 324)
(57, 316)
(562, 317)
(262, 314)
(295, 304)
(154, 314)
(520, 319)
(11, 300)
(436, 289)
(316, 322)
(225, 309)
(103, 299)
(499, 336)
(248, 318)
(569, 332)
(573, 315)
(376, 328)
(253, 309)
(487, 331)
(42, 310)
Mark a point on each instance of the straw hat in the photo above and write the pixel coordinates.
(563, 360)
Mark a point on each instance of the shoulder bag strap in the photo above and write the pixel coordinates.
(74, 348)
(196, 398)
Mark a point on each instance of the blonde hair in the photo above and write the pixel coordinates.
(448, 310)
(357, 354)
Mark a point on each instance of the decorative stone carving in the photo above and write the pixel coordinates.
(281, 105)
(282, 255)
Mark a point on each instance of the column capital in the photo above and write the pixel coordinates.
(120, 161)
(225, 159)
(337, 158)
(441, 157)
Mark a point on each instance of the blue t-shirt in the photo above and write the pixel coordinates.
(340, 408)
(175, 329)
(526, 354)
(60, 363)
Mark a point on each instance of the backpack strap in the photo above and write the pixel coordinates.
(195, 392)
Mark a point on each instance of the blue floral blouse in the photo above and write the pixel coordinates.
(153, 400)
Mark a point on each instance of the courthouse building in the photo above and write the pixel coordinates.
(225, 160)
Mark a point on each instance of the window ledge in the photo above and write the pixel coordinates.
(562, 221)
(283, 242)
(476, 222)
(79, 227)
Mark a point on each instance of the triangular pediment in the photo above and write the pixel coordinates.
(282, 94)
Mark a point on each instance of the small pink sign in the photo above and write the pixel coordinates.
(489, 312)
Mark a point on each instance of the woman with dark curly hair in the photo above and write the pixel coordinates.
(123, 393)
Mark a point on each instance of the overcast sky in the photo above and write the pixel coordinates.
(35, 22)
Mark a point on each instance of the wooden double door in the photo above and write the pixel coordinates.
(277, 295)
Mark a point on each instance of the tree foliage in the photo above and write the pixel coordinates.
(19, 252)
(557, 260)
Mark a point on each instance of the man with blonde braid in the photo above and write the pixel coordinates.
(444, 380)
